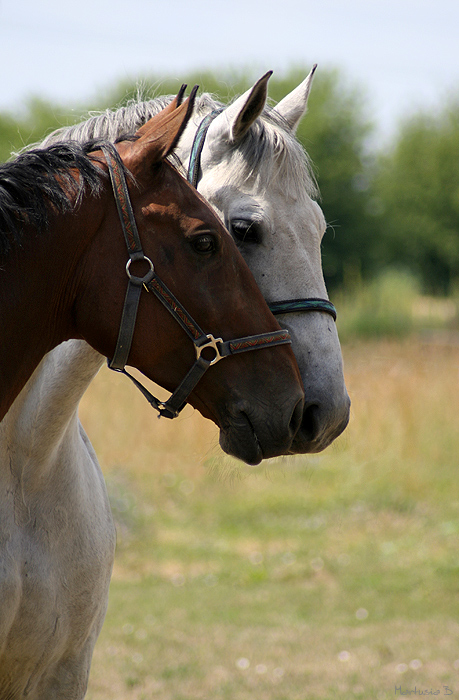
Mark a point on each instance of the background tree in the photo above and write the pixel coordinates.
(32, 123)
(418, 190)
(336, 133)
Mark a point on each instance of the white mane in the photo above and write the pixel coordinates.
(268, 150)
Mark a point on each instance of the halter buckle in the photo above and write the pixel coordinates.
(164, 411)
(211, 343)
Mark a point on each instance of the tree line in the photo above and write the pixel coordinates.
(395, 207)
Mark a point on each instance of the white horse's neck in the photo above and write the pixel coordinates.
(46, 409)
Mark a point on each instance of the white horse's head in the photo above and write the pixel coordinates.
(256, 175)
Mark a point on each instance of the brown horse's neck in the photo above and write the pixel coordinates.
(38, 284)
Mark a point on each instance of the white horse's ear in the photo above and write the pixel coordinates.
(234, 122)
(294, 105)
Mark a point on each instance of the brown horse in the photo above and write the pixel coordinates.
(63, 276)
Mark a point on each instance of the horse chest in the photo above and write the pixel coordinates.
(56, 554)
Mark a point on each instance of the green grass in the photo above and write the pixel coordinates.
(390, 305)
(332, 576)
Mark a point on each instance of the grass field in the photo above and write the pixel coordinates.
(331, 576)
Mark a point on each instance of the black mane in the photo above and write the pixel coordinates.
(28, 186)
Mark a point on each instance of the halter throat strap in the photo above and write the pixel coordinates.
(194, 163)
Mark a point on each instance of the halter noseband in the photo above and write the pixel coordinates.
(194, 168)
(152, 283)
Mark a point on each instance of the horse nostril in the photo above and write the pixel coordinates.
(309, 423)
(296, 418)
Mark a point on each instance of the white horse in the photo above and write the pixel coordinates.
(54, 511)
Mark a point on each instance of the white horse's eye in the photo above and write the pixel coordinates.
(245, 231)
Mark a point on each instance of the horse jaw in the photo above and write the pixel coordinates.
(294, 105)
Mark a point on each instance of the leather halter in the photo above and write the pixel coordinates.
(194, 173)
(217, 348)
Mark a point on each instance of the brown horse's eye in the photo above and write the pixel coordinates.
(204, 244)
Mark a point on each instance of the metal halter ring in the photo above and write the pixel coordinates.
(213, 343)
(140, 280)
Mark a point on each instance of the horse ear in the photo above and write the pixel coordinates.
(171, 107)
(293, 106)
(158, 137)
(234, 122)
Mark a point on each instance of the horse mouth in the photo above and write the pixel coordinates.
(240, 440)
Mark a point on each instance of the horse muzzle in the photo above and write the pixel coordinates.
(253, 433)
(320, 426)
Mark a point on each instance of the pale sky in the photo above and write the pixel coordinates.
(404, 53)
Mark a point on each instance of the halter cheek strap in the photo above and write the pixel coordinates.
(215, 348)
(134, 248)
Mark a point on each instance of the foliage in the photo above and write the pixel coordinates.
(418, 188)
(32, 124)
(381, 307)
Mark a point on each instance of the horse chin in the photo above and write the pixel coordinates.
(240, 441)
(238, 436)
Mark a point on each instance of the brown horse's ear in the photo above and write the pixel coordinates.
(176, 102)
(160, 135)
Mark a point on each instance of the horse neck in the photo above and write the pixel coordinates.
(37, 288)
(46, 409)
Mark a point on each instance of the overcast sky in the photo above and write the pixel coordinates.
(405, 53)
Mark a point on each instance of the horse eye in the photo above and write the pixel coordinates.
(204, 244)
(245, 231)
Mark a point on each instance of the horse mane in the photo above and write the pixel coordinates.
(268, 147)
(39, 178)
(270, 151)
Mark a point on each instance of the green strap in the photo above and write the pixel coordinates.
(292, 305)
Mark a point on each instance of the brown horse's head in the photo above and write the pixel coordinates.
(255, 398)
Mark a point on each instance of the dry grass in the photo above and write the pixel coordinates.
(332, 576)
